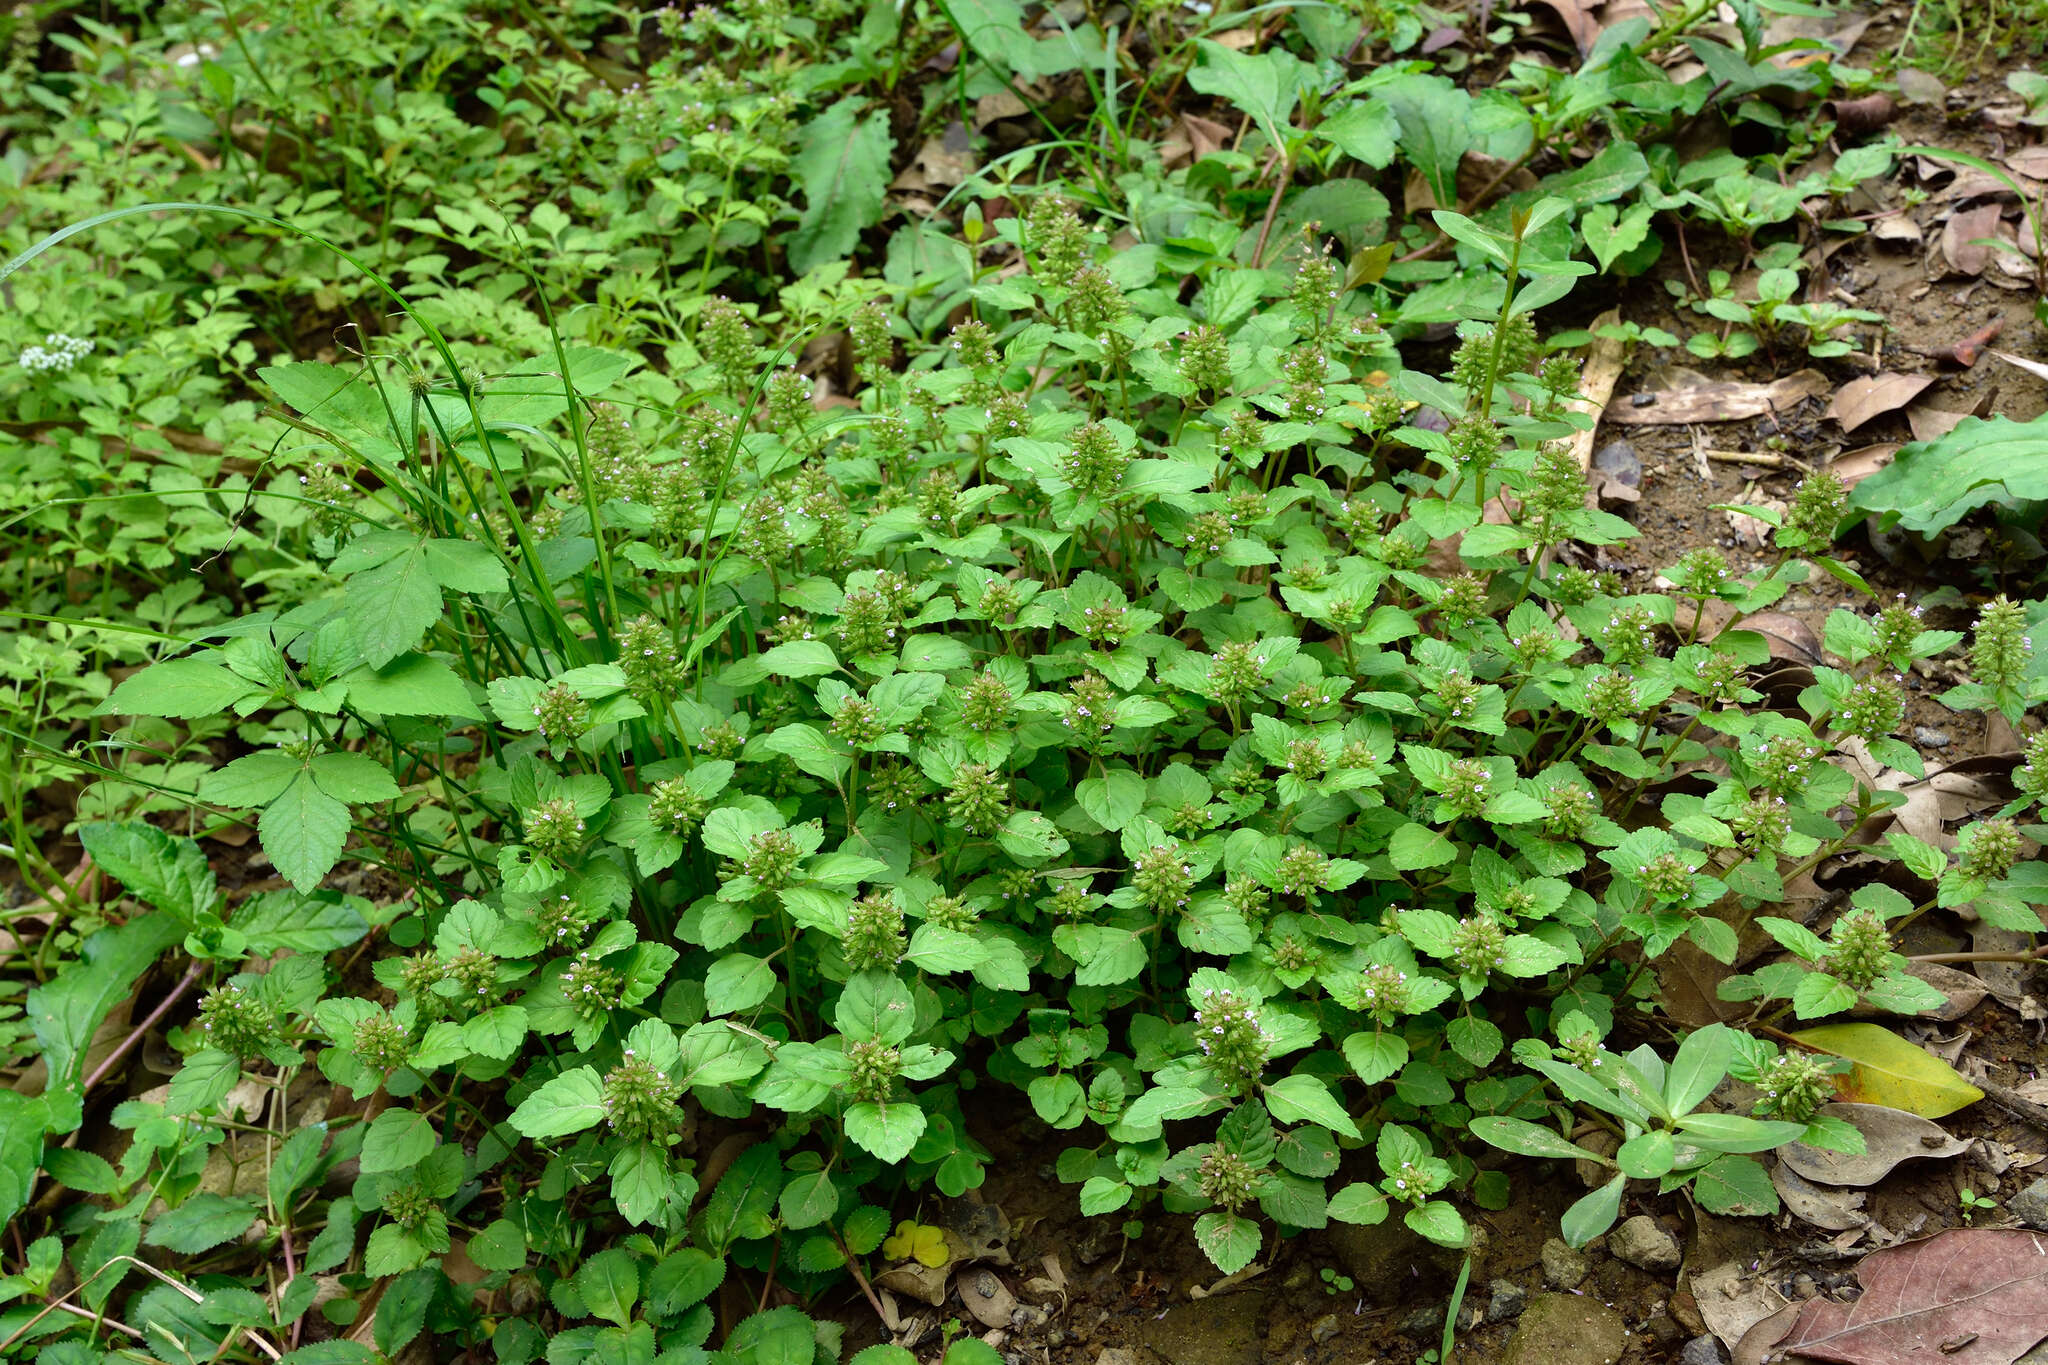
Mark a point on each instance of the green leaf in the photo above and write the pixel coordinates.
(392, 604)
(412, 685)
(1435, 131)
(182, 689)
(1112, 800)
(201, 1223)
(608, 1282)
(1265, 85)
(1360, 1203)
(569, 1103)
(1297, 1099)
(1415, 847)
(353, 777)
(465, 566)
(1100, 1195)
(1528, 1139)
(206, 1077)
(737, 982)
(397, 1140)
(1373, 1057)
(1437, 1222)
(1886, 1069)
(318, 923)
(875, 1006)
(811, 751)
(167, 872)
(304, 831)
(887, 1130)
(1477, 1041)
(22, 1124)
(1735, 1186)
(1229, 1241)
(499, 1245)
(1594, 1213)
(809, 1200)
(67, 1011)
(1697, 1067)
(842, 162)
(683, 1280)
(1931, 485)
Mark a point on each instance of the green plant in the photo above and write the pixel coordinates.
(1974, 1204)
(760, 731)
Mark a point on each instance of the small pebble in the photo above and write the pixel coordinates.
(1644, 400)
(1509, 1299)
(1324, 1329)
(1929, 738)
(1619, 461)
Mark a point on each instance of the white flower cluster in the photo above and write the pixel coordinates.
(59, 352)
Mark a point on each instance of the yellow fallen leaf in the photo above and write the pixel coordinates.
(1886, 1069)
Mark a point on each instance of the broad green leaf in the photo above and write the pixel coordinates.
(1528, 1139)
(412, 685)
(1113, 799)
(167, 872)
(1594, 1213)
(1435, 131)
(1931, 485)
(499, 1245)
(887, 1130)
(22, 1124)
(1297, 1099)
(608, 1282)
(1265, 85)
(67, 1011)
(183, 689)
(1228, 1240)
(201, 1223)
(569, 1103)
(809, 1200)
(397, 1140)
(318, 923)
(392, 604)
(842, 162)
(304, 831)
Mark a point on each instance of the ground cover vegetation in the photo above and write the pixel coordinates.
(707, 649)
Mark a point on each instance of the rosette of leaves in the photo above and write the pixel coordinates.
(1666, 1135)
(630, 1113)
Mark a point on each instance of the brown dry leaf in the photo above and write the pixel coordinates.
(999, 104)
(1931, 424)
(1960, 991)
(914, 1280)
(1578, 21)
(1722, 401)
(1825, 1207)
(1790, 639)
(1970, 1296)
(1860, 400)
(2007, 981)
(2029, 161)
(1239, 39)
(943, 160)
(1854, 466)
(1718, 1282)
(2032, 367)
(1897, 229)
(1599, 368)
(1192, 138)
(1689, 985)
(1963, 243)
(1920, 87)
(1890, 1137)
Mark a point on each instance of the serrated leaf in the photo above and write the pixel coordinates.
(1229, 1241)
(885, 1130)
(568, 1103)
(842, 162)
(304, 831)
